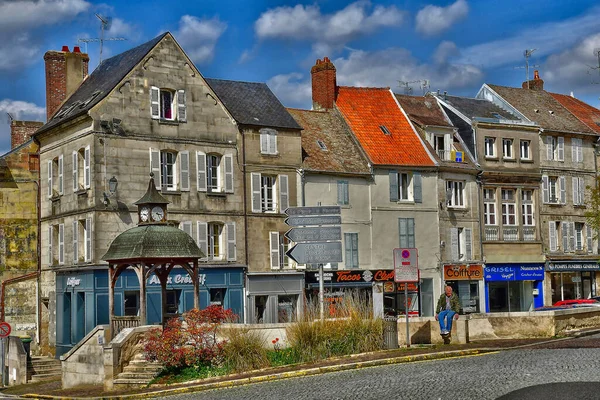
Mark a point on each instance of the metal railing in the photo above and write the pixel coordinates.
(120, 323)
(510, 233)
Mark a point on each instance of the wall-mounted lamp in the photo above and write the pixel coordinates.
(112, 189)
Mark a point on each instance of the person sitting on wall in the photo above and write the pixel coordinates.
(447, 309)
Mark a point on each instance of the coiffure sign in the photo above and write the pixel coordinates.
(472, 272)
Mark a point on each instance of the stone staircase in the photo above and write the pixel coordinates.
(43, 368)
(139, 372)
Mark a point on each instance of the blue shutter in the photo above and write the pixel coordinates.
(410, 225)
(402, 232)
(417, 190)
(393, 186)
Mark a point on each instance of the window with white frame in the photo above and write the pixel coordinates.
(82, 240)
(442, 144)
(279, 245)
(579, 236)
(578, 191)
(555, 148)
(461, 242)
(577, 150)
(455, 191)
(171, 169)
(525, 150)
(507, 148)
(268, 141)
(55, 177)
(81, 169)
(268, 187)
(351, 250)
(56, 244)
(168, 104)
(490, 147)
(215, 172)
(216, 239)
(270, 193)
(509, 207)
(553, 231)
(554, 189)
(527, 208)
(405, 186)
(343, 195)
(489, 206)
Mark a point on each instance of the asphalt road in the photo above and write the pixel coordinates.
(570, 370)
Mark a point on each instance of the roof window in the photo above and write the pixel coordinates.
(496, 115)
(385, 130)
(90, 99)
(321, 145)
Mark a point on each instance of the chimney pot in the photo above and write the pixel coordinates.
(65, 49)
(324, 86)
(536, 74)
(76, 49)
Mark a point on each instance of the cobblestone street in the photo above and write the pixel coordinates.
(479, 377)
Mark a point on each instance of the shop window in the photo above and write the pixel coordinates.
(510, 296)
(217, 296)
(132, 303)
(286, 308)
(173, 300)
(260, 309)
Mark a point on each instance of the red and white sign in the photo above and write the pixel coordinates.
(406, 265)
(4, 329)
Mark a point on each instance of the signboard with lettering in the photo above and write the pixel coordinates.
(573, 266)
(406, 265)
(314, 234)
(513, 272)
(316, 253)
(472, 272)
(318, 210)
(316, 220)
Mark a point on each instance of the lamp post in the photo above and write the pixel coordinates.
(112, 189)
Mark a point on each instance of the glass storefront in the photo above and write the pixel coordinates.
(464, 281)
(572, 280)
(510, 296)
(514, 287)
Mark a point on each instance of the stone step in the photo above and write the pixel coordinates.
(44, 371)
(136, 375)
(143, 367)
(130, 383)
(45, 377)
(43, 362)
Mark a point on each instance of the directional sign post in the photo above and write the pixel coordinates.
(316, 253)
(4, 332)
(406, 270)
(308, 211)
(316, 233)
(314, 220)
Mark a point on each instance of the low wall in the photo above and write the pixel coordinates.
(84, 364)
(426, 330)
(16, 361)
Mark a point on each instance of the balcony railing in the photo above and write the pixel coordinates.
(443, 154)
(510, 233)
(120, 323)
(492, 233)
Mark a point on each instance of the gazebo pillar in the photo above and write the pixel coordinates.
(140, 270)
(196, 282)
(111, 298)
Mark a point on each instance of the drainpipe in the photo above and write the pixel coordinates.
(245, 205)
(481, 233)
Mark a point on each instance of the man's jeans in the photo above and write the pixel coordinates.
(445, 317)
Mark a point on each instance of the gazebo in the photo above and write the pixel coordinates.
(152, 247)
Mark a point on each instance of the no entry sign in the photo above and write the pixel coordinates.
(4, 329)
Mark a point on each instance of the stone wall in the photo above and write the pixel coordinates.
(84, 364)
(16, 361)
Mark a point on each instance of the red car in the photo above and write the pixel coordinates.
(577, 302)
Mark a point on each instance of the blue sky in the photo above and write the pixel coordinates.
(455, 45)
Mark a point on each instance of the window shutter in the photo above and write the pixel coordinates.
(468, 244)
(87, 168)
(575, 191)
(417, 191)
(201, 173)
(203, 238)
(411, 232)
(549, 148)
(580, 151)
(563, 190)
(394, 186)
(355, 250)
(572, 236)
(264, 142)
(181, 107)
(274, 245)
(403, 233)
(155, 102)
(228, 158)
(186, 226)
(60, 174)
(50, 249)
(589, 238)
(454, 244)
(564, 229)
(50, 192)
(574, 152)
(545, 189)
(75, 174)
(581, 191)
(272, 143)
(155, 166)
(552, 235)
(348, 250)
(284, 197)
(447, 146)
(184, 163)
(75, 242)
(256, 193)
(231, 241)
(347, 192)
(561, 149)
(88, 239)
(61, 243)
(340, 192)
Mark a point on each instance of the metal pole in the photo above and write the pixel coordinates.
(321, 295)
(406, 312)
(3, 361)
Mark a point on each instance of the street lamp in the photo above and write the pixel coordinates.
(112, 189)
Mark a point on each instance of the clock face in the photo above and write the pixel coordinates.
(145, 213)
(157, 213)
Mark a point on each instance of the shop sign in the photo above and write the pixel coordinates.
(573, 266)
(473, 272)
(505, 272)
(365, 276)
(181, 279)
(72, 282)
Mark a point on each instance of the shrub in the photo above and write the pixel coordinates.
(244, 349)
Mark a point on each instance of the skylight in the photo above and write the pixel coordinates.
(385, 130)
(321, 145)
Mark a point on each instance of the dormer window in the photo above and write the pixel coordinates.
(322, 145)
(168, 104)
(385, 130)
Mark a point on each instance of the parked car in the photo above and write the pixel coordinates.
(578, 303)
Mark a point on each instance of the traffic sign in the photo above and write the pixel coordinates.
(315, 220)
(316, 253)
(406, 265)
(318, 210)
(314, 234)
(4, 329)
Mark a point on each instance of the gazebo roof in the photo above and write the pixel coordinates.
(152, 242)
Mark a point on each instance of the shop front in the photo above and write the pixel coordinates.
(274, 298)
(513, 287)
(571, 280)
(466, 281)
(82, 298)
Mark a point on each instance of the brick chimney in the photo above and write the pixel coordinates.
(324, 87)
(64, 73)
(21, 131)
(536, 83)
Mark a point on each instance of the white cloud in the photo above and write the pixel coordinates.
(19, 110)
(199, 36)
(18, 51)
(432, 20)
(444, 51)
(25, 14)
(291, 90)
(327, 31)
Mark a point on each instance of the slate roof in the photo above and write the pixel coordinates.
(478, 108)
(465, 130)
(366, 110)
(423, 110)
(252, 103)
(550, 114)
(342, 154)
(584, 112)
(101, 82)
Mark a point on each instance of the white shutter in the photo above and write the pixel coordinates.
(549, 148)
(228, 158)
(274, 246)
(184, 171)
(50, 249)
(561, 149)
(264, 142)
(284, 198)
(580, 151)
(50, 192)
(87, 167)
(155, 166)
(201, 171)
(447, 146)
(88, 239)
(454, 244)
(589, 238)
(181, 107)
(75, 242)
(61, 243)
(575, 191)
(256, 192)
(468, 243)
(75, 172)
(563, 190)
(186, 226)
(231, 241)
(155, 102)
(552, 235)
(203, 238)
(581, 191)
(272, 143)
(60, 174)
(574, 152)
(545, 189)
(564, 230)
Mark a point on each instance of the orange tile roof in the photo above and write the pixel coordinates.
(584, 112)
(365, 110)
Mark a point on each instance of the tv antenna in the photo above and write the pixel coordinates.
(597, 54)
(424, 83)
(527, 54)
(106, 23)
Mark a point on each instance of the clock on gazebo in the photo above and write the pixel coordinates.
(152, 207)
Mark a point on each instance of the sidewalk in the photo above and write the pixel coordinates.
(52, 390)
